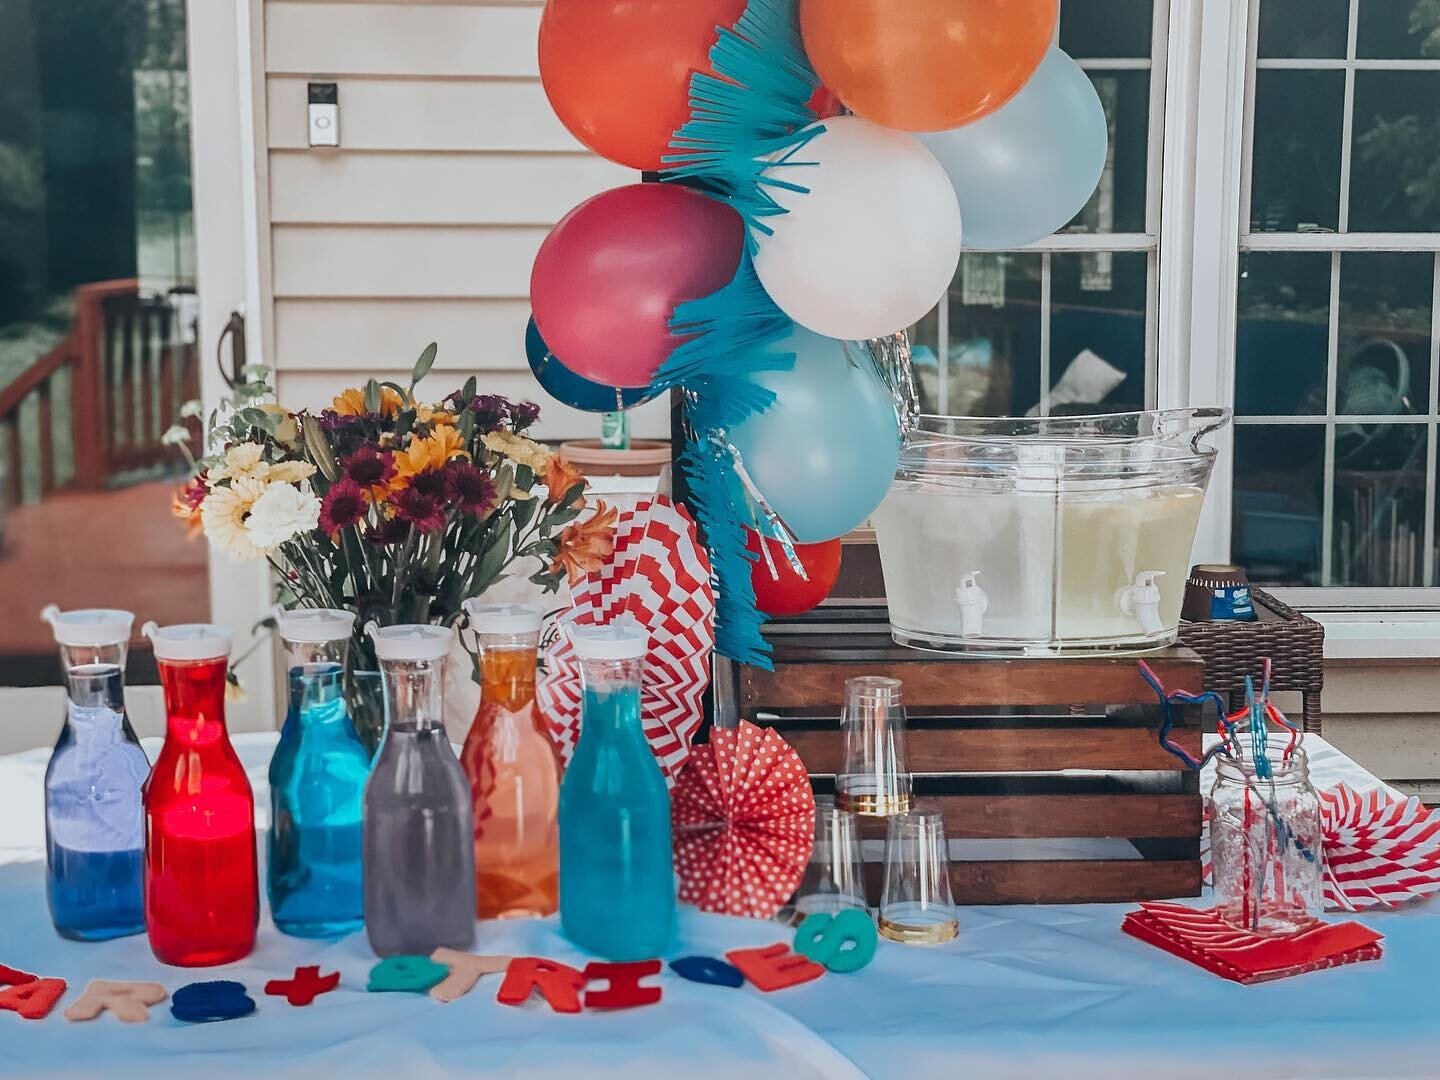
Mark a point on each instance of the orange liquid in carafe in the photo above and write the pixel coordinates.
(515, 781)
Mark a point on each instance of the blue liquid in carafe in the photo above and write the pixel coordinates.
(94, 895)
(617, 882)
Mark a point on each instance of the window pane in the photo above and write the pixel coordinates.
(1105, 28)
(1384, 354)
(1295, 175)
(992, 353)
(1118, 204)
(1282, 337)
(1312, 28)
(1097, 331)
(1395, 171)
(1276, 527)
(1397, 30)
(1379, 530)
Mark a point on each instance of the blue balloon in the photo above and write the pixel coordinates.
(1030, 166)
(570, 389)
(824, 454)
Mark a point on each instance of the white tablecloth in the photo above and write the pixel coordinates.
(1024, 992)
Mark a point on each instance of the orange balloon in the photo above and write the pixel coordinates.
(617, 72)
(926, 65)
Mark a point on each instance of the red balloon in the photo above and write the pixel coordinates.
(617, 72)
(608, 277)
(789, 593)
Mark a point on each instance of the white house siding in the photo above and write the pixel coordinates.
(423, 224)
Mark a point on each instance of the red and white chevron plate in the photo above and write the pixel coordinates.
(660, 576)
(1381, 850)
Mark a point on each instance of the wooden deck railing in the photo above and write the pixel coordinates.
(129, 373)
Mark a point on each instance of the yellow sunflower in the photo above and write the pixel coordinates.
(352, 402)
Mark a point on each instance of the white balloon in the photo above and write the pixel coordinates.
(873, 244)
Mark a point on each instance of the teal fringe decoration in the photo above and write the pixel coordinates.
(750, 117)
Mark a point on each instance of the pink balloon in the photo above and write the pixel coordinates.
(608, 277)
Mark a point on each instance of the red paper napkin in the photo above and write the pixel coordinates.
(743, 815)
(1244, 957)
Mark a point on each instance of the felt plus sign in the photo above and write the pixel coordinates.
(306, 985)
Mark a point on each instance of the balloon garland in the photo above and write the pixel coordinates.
(797, 219)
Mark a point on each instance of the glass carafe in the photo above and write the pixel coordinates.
(317, 784)
(617, 881)
(202, 900)
(419, 866)
(513, 770)
(94, 828)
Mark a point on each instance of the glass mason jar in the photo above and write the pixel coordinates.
(617, 874)
(202, 901)
(94, 826)
(513, 769)
(1266, 850)
(418, 836)
(317, 784)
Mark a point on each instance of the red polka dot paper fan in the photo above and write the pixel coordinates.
(743, 816)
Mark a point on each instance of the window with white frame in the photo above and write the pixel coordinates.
(1334, 463)
(1068, 324)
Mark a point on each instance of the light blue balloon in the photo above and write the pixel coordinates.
(825, 452)
(1030, 166)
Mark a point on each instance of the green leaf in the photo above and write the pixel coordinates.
(317, 447)
(404, 394)
(524, 511)
(467, 392)
(372, 396)
(424, 364)
(465, 424)
(564, 515)
(403, 423)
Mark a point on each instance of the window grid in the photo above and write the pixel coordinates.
(1146, 242)
(1335, 244)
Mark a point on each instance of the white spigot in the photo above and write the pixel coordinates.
(1141, 601)
(973, 601)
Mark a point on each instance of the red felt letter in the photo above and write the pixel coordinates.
(305, 987)
(558, 984)
(624, 991)
(33, 1000)
(774, 967)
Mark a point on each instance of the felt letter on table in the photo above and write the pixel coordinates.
(412, 974)
(624, 991)
(706, 969)
(29, 995)
(465, 971)
(306, 985)
(129, 1001)
(824, 939)
(208, 1002)
(774, 967)
(558, 983)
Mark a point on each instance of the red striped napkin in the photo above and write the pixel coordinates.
(1244, 957)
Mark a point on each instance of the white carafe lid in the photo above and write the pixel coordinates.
(188, 641)
(312, 625)
(410, 641)
(502, 618)
(89, 626)
(623, 639)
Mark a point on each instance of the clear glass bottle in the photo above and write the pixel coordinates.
(1266, 849)
(419, 836)
(317, 784)
(94, 827)
(202, 903)
(513, 769)
(617, 877)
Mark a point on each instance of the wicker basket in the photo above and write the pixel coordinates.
(1294, 643)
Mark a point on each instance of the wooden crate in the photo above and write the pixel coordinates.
(1011, 750)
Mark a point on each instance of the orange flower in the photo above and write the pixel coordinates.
(585, 545)
(352, 402)
(560, 477)
(186, 510)
(435, 417)
(425, 454)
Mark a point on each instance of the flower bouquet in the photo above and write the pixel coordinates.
(390, 507)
